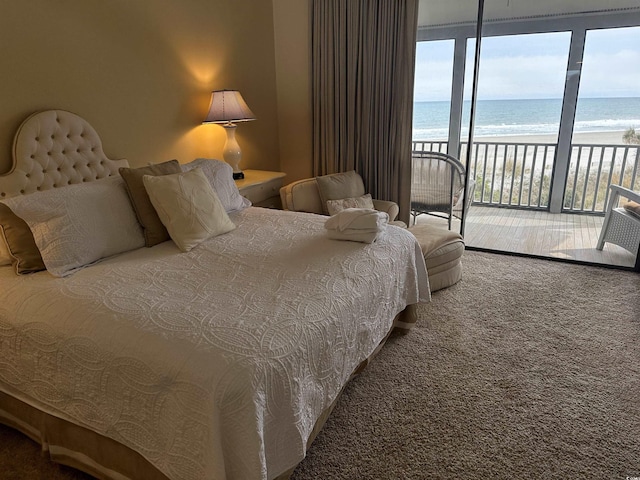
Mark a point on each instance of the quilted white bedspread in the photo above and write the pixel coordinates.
(216, 363)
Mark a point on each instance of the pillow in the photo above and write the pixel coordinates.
(220, 176)
(17, 239)
(632, 207)
(5, 257)
(338, 186)
(336, 206)
(154, 231)
(77, 225)
(188, 206)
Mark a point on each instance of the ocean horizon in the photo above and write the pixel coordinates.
(527, 117)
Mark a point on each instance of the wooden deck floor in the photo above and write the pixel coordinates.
(563, 235)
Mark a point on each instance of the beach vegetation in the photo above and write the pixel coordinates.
(631, 137)
(523, 178)
(510, 184)
(596, 192)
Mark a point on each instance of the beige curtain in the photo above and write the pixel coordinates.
(363, 63)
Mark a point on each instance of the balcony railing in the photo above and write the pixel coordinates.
(519, 174)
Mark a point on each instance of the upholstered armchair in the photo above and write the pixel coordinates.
(316, 195)
(442, 249)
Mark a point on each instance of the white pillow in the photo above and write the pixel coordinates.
(77, 225)
(188, 206)
(220, 175)
(336, 206)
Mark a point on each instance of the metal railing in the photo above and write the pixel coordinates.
(519, 174)
(593, 168)
(440, 146)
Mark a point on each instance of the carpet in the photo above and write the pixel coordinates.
(525, 369)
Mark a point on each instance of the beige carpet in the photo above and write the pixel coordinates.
(525, 369)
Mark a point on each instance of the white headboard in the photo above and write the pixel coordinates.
(52, 149)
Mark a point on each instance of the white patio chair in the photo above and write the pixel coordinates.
(620, 226)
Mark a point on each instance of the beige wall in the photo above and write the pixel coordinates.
(293, 72)
(141, 73)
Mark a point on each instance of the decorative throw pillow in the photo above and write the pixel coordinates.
(220, 176)
(18, 240)
(338, 186)
(77, 225)
(5, 257)
(632, 207)
(336, 206)
(154, 231)
(188, 206)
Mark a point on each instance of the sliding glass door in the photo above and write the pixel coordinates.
(518, 108)
(553, 80)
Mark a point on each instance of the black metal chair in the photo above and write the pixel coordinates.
(437, 185)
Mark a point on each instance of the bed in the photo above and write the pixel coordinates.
(221, 362)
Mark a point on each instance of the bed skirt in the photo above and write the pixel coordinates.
(78, 447)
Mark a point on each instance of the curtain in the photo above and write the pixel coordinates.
(363, 62)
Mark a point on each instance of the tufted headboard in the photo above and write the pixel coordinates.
(52, 149)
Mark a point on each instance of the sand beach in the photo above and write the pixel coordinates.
(580, 138)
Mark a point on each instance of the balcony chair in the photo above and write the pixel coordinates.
(437, 185)
(621, 223)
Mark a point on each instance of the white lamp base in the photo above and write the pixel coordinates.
(232, 153)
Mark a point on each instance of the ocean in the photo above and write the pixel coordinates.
(527, 117)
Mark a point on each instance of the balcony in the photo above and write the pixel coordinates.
(511, 206)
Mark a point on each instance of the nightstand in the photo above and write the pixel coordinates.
(261, 187)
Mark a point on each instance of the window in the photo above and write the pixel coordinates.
(606, 132)
(432, 92)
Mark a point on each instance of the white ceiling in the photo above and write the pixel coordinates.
(437, 12)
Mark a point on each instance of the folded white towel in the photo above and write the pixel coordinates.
(358, 219)
(354, 235)
(357, 224)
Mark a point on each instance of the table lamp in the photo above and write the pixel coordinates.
(228, 108)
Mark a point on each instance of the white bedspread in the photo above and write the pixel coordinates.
(216, 363)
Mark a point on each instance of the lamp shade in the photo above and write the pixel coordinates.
(228, 106)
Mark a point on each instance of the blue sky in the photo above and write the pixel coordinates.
(534, 66)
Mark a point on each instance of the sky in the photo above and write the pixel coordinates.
(534, 66)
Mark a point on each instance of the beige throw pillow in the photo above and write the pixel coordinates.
(17, 238)
(154, 231)
(188, 206)
(338, 186)
(336, 206)
(5, 257)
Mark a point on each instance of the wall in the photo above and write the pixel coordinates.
(293, 72)
(141, 73)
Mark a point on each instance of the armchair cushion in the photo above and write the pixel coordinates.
(632, 207)
(338, 186)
